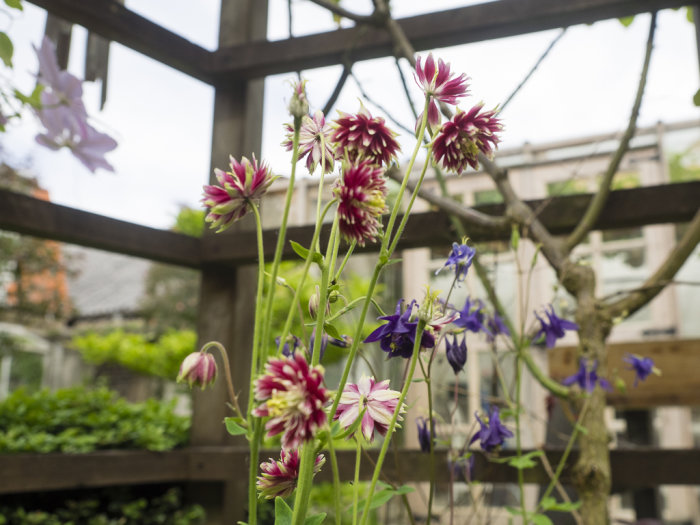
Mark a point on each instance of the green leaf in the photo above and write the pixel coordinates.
(514, 238)
(304, 253)
(626, 20)
(524, 462)
(234, 427)
(283, 514)
(549, 503)
(6, 49)
(332, 331)
(696, 98)
(689, 15)
(541, 519)
(14, 4)
(316, 519)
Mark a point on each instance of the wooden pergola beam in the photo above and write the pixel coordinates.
(115, 22)
(464, 25)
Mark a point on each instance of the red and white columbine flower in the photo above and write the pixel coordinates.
(198, 368)
(361, 193)
(279, 478)
(364, 137)
(460, 139)
(293, 397)
(314, 141)
(377, 401)
(237, 191)
(439, 84)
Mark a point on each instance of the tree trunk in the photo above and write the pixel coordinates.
(592, 477)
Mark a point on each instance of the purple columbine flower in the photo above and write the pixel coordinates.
(456, 353)
(439, 84)
(553, 328)
(424, 437)
(471, 316)
(289, 349)
(460, 140)
(461, 259)
(492, 434)
(376, 400)
(587, 377)
(495, 326)
(398, 334)
(642, 366)
(279, 478)
(293, 398)
(198, 369)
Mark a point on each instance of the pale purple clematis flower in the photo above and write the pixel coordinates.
(587, 377)
(314, 142)
(440, 85)
(65, 88)
(492, 434)
(279, 478)
(198, 369)
(553, 327)
(642, 366)
(376, 400)
(293, 397)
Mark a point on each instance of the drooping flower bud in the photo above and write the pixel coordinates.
(198, 368)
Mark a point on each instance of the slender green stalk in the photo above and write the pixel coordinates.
(281, 236)
(356, 481)
(306, 472)
(345, 260)
(431, 494)
(256, 361)
(336, 480)
(227, 372)
(390, 431)
(518, 444)
(253, 471)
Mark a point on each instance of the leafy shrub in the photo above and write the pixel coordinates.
(82, 420)
(165, 509)
(161, 358)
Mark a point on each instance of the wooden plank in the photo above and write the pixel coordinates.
(624, 209)
(115, 22)
(474, 23)
(677, 359)
(28, 215)
(631, 468)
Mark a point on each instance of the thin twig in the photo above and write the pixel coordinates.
(347, 70)
(375, 103)
(336, 9)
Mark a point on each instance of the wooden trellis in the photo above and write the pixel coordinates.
(236, 70)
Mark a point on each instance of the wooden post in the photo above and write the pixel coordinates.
(227, 295)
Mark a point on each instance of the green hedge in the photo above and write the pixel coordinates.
(82, 420)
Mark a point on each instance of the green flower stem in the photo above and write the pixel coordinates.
(518, 444)
(304, 273)
(404, 182)
(390, 431)
(256, 362)
(281, 236)
(253, 471)
(227, 373)
(356, 486)
(306, 473)
(428, 385)
(345, 260)
(384, 256)
(336, 479)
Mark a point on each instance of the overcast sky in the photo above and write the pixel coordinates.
(162, 119)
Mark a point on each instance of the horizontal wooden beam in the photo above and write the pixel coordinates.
(674, 358)
(624, 209)
(27, 215)
(474, 23)
(634, 468)
(115, 22)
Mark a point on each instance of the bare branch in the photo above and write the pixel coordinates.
(653, 285)
(405, 89)
(598, 202)
(336, 9)
(386, 112)
(532, 71)
(347, 71)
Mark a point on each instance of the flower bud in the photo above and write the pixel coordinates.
(314, 302)
(198, 368)
(299, 105)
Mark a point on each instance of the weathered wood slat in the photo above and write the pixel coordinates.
(115, 22)
(474, 23)
(675, 386)
(624, 209)
(633, 468)
(31, 216)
